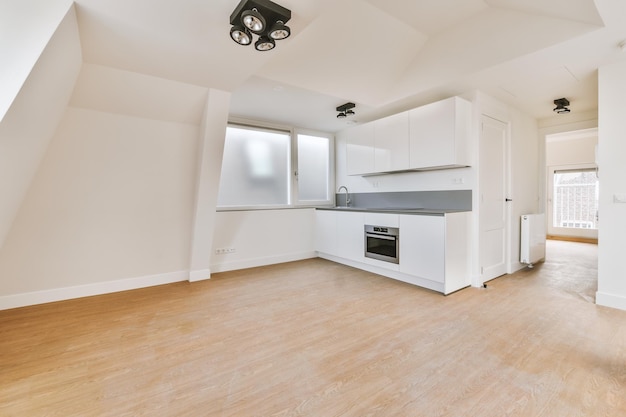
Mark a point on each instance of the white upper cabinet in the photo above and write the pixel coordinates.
(434, 136)
(391, 141)
(359, 149)
(439, 134)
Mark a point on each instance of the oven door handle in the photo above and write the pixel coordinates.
(385, 237)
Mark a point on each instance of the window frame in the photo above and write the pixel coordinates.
(293, 198)
(565, 231)
(296, 202)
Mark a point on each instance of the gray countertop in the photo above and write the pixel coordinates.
(392, 210)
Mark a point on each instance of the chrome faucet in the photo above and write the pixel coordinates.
(347, 194)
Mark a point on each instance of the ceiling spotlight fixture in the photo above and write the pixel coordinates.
(561, 105)
(345, 110)
(263, 18)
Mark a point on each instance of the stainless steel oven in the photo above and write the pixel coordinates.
(382, 243)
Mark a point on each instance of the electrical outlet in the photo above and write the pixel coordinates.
(224, 251)
(619, 198)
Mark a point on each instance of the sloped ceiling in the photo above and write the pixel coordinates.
(377, 53)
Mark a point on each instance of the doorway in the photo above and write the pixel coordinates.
(572, 203)
(572, 184)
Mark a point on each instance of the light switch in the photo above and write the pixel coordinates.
(619, 198)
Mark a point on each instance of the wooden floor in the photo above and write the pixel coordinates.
(314, 338)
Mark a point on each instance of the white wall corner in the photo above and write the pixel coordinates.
(199, 275)
(38, 83)
(610, 300)
(208, 170)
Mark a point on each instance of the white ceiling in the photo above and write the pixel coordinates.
(384, 55)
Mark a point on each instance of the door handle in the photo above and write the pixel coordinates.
(508, 199)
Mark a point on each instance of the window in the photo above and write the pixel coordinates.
(313, 175)
(575, 199)
(263, 168)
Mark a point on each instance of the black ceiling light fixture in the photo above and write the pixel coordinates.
(561, 106)
(263, 18)
(345, 110)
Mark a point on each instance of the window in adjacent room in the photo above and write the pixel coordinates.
(575, 199)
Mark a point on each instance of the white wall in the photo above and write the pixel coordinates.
(611, 154)
(29, 123)
(263, 237)
(571, 151)
(112, 200)
(526, 176)
(23, 37)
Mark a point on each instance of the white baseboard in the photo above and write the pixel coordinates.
(199, 275)
(410, 279)
(87, 290)
(611, 300)
(254, 262)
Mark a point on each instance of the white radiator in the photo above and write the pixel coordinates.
(533, 238)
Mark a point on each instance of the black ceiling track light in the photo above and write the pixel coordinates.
(263, 18)
(345, 110)
(561, 105)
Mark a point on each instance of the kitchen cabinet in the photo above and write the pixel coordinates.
(439, 134)
(434, 136)
(349, 235)
(325, 230)
(360, 151)
(422, 246)
(339, 234)
(436, 248)
(434, 251)
(391, 143)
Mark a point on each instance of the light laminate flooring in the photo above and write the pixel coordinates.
(314, 338)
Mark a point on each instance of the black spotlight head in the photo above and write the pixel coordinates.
(561, 105)
(241, 35)
(280, 31)
(341, 115)
(264, 44)
(253, 20)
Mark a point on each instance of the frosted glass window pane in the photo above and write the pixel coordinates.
(255, 168)
(313, 160)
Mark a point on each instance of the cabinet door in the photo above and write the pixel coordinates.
(422, 246)
(350, 236)
(439, 134)
(432, 131)
(359, 149)
(325, 231)
(392, 143)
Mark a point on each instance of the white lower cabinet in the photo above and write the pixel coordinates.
(434, 250)
(349, 236)
(339, 234)
(422, 246)
(325, 230)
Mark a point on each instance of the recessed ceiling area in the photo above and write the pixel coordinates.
(381, 55)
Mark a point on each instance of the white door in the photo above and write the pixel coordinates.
(493, 210)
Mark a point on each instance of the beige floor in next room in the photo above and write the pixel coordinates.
(314, 338)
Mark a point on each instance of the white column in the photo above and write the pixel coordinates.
(209, 167)
(612, 174)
